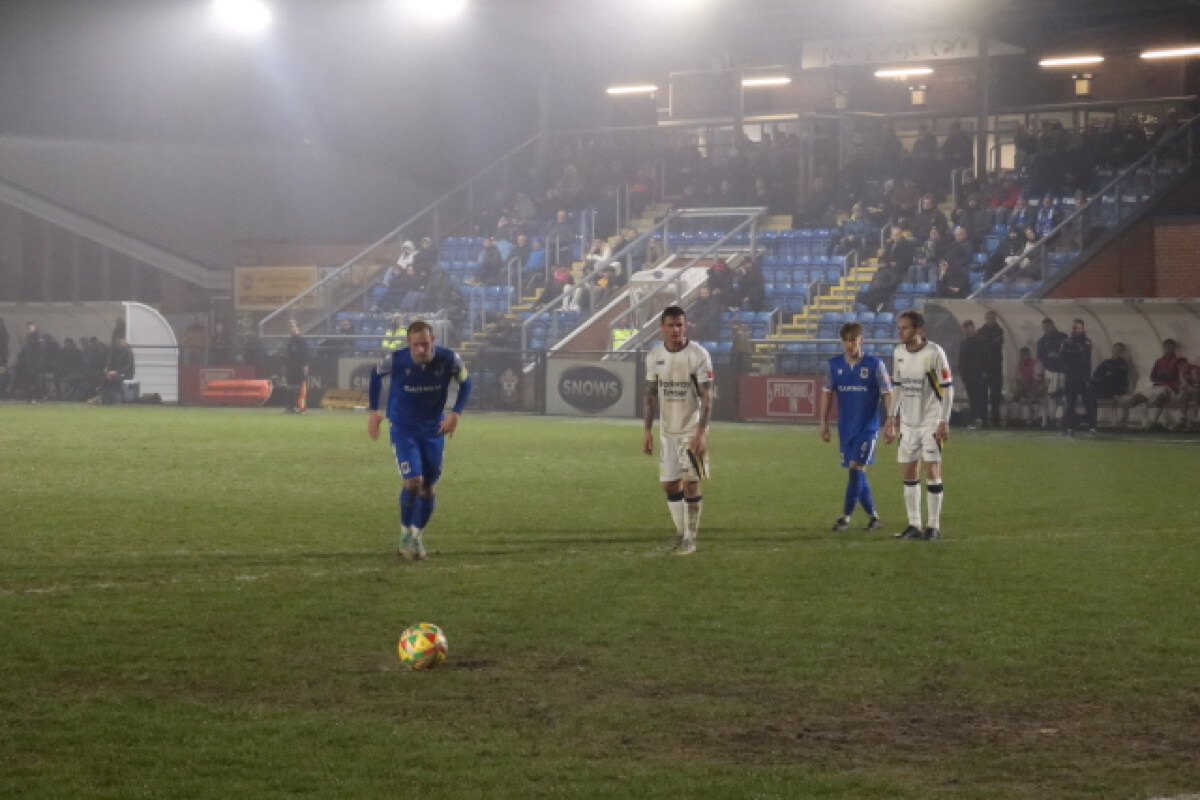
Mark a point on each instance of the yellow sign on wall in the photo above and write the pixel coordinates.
(267, 288)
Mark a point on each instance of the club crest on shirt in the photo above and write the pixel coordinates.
(862, 373)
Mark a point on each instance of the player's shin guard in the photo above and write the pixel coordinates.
(678, 514)
(933, 498)
(693, 505)
(864, 494)
(408, 501)
(854, 484)
(912, 502)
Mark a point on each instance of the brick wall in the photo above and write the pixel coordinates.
(1177, 256)
(1124, 268)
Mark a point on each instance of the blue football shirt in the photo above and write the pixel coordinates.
(418, 392)
(859, 388)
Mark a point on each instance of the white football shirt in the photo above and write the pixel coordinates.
(923, 378)
(679, 375)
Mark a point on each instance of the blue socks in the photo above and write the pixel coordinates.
(864, 494)
(424, 510)
(858, 491)
(854, 484)
(408, 502)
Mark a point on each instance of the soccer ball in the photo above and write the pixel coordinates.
(422, 646)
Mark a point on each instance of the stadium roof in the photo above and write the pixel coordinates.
(196, 201)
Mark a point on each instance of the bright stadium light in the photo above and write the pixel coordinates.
(903, 72)
(1174, 52)
(243, 17)
(767, 80)
(1070, 61)
(436, 11)
(641, 88)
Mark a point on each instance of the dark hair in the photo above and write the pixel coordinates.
(417, 327)
(671, 311)
(1171, 342)
(915, 317)
(851, 330)
(1077, 319)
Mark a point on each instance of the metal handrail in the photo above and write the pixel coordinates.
(633, 312)
(338, 273)
(1149, 158)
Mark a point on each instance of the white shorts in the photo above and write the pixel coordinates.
(676, 461)
(918, 444)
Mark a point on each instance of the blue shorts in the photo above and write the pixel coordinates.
(418, 456)
(861, 450)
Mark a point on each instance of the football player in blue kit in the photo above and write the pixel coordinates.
(420, 376)
(860, 382)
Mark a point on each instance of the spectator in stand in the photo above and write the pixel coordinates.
(894, 263)
(1049, 355)
(972, 365)
(1029, 265)
(599, 254)
(407, 254)
(654, 253)
(953, 281)
(925, 168)
(520, 252)
(1008, 252)
(442, 294)
(1004, 200)
(1048, 216)
(961, 251)
(929, 216)
(748, 287)
(720, 283)
(120, 368)
(492, 270)
(1023, 215)
(535, 264)
(958, 148)
(425, 257)
(1077, 373)
(559, 280)
(1166, 382)
(704, 318)
(559, 238)
(1029, 386)
(976, 220)
(1026, 146)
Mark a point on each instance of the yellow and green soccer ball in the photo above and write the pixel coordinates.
(422, 646)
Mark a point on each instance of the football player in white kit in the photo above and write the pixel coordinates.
(679, 379)
(922, 417)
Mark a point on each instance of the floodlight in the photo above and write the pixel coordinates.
(1174, 52)
(243, 17)
(767, 80)
(646, 88)
(1070, 61)
(436, 11)
(903, 72)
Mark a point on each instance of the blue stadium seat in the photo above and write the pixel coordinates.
(864, 317)
(901, 302)
(923, 288)
(905, 288)
(885, 316)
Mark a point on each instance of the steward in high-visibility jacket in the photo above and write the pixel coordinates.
(394, 338)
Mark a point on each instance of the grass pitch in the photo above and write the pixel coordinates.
(205, 603)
